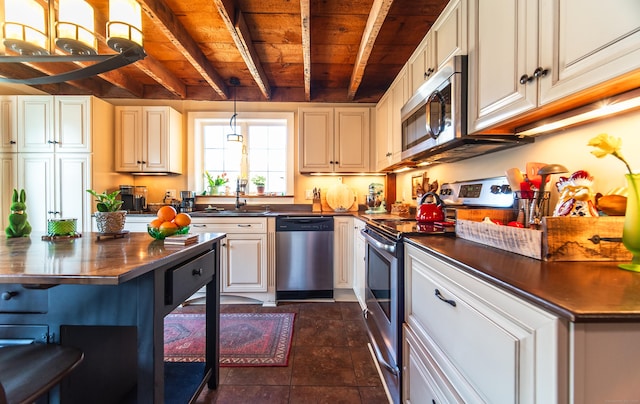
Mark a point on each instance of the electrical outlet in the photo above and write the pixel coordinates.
(171, 193)
(308, 194)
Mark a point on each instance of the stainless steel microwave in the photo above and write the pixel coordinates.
(436, 114)
(434, 121)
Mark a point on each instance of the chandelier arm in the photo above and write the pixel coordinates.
(125, 58)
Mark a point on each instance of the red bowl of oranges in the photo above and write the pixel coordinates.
(168, 223)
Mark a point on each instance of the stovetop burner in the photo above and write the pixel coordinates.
(409, 227)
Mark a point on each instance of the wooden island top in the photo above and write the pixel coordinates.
(89, 259)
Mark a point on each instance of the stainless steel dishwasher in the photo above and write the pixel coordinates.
(304, 257)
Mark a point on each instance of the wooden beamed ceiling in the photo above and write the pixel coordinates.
(280, 50)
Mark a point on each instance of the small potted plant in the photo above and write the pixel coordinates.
(259, 182)
(216, 185)
(109, 217)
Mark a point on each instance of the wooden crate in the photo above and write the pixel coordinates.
(560, 239)
(584, 239)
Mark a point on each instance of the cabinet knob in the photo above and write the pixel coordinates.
(8, 295)
(12, 142)
(525, 78)
(197, 272)
(389, 154)
(540, 72)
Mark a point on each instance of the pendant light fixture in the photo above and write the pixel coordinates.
(31, 30)
(234, 136)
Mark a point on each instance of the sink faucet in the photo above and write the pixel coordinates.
(238, 203)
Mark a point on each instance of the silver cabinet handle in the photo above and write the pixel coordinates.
(387, 247)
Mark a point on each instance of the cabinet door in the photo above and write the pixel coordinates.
(155, 139)
(400, 95)
(128, 139)
(72, 179)
(503, 46)
(343, 252)
(583, 44)
(8, 124)
(359, 251)
(352, 136)
(421, 65)
(316, 139)
(35, 124)
(383, 130)
(72, 124)
(8, 182)
(36, 177)
(449, 33)
(244, 263)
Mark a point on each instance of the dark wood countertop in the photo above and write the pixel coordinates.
(87, 260)
(579, 291)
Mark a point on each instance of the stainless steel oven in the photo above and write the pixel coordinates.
(385, 304)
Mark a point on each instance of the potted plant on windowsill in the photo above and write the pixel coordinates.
(259, 182)
(109, 217)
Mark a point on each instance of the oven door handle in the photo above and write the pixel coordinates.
(378, 244)
(393, 369)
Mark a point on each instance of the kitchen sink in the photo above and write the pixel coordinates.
(231, 213)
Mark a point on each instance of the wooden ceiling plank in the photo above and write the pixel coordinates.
(305, 17)
(156, 70)
(239, 32)
(167, 22)
(378, 14)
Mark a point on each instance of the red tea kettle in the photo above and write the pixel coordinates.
(429, 212)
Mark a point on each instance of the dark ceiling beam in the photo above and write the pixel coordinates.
(237, 27)
(305, 16)
(167, 22)
(378, 14)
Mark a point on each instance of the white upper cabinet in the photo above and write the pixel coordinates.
(148, 139)
(389, 122)
(8, 124)
(446, 38)
(60, 124)
(334, 139)
(526, 54)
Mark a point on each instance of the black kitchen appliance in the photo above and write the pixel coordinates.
(187, 201)
(134, 198)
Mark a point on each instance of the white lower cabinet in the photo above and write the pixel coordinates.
(343, 252)
(467, 341)
(359, 268)
(247, 266)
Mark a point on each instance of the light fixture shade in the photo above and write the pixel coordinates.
(125, 24)
(25, 27)
(234, 137)
(75, 27)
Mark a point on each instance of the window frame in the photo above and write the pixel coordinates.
(195, 157)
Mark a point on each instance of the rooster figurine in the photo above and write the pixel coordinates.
(576, 197)
(18, 224)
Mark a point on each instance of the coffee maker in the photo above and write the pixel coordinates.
(126, 194)
(187, 201)
(134, 199)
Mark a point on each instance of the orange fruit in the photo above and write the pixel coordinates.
(167, 213)
(155, 223)
(182, 220)
(168, 228)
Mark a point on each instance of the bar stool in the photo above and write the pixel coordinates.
(29, 371)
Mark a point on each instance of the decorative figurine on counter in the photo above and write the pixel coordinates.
(576, 197)
(18, 224)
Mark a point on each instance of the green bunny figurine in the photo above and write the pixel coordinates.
(18, 224)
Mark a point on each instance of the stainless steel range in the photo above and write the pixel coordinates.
(384, 258)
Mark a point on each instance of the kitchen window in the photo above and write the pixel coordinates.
(266, 149)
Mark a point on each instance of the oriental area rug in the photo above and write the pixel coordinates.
(246, 339)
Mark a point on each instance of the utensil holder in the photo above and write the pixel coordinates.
(532, 206)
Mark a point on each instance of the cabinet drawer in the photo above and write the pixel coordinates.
(235, 225)
(23, 334)
(467, 334)
(185, 280)
(16, 299)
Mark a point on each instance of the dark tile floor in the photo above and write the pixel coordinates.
(329, 361)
